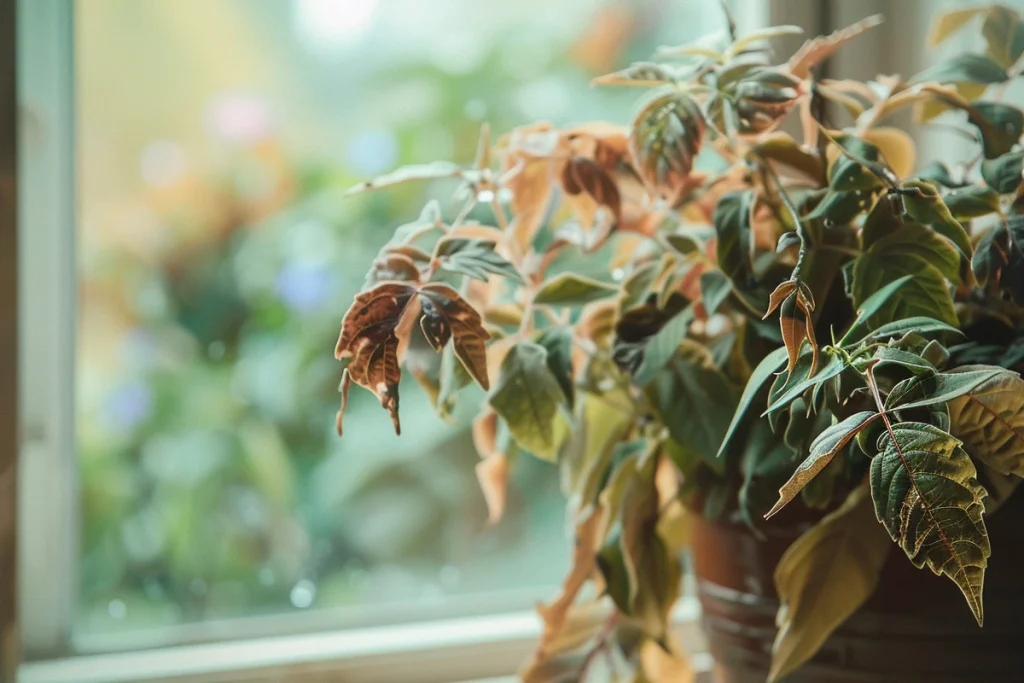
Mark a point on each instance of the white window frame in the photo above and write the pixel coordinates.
(462, 649)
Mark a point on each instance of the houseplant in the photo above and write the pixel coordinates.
(812, 328)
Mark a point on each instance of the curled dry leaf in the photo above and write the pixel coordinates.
(817, 50)
(376, 330)
(589, 535)
(585, 175)
(664, 140)
(492, 474)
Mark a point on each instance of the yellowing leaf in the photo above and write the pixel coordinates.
(990, 422)
(823, 578)
(926, 494)
(661, 667)
(529, 398)
(949, 23)
(896, 146)
(587, 538)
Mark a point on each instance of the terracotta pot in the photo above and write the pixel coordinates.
(916, 628)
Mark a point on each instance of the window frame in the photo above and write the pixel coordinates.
(43, 429)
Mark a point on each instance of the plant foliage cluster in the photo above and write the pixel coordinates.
(819, 325)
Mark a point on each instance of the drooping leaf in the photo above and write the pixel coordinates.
(369, 341)
(1000, 125)
(473, 257)
(570, 289)
(989, 420)
(715, 288)
(764, 371)
(972, 201)
(664, 140)
(824, 448)
(452, 377)
(915, 252)
(732, 227)
(641, 74)
(873, 304)
(854, 170)
(817, 50)
(529, 399)
(965, 67)
(764, 465)
(924, 203)
(1004, 33)
(557, 341)
(447, 307)
(585, 175)
(823, 578)
(790, 385)
(432, 171)
(637, 286)
(915, 325)
(648, 337)
(927, 496)
(930, 389)
(587, 538)
(950, 22)
(1003, 174)
(691, 385)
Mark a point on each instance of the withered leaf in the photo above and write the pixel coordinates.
(466, 328)
(584, 175)
(817, 50)
(664, 140)
(376, 331)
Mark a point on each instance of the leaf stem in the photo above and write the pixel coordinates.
(801, 232)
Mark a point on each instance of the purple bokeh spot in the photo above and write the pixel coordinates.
(128, 405)
(303, 288)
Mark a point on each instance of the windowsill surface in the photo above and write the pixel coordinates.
(468, 649)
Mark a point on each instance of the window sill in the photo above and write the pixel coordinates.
(465, 649)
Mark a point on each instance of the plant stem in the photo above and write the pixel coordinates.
(800, 231)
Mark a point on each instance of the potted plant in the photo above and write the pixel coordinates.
(796, 356)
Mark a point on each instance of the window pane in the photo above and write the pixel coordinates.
(216, 258)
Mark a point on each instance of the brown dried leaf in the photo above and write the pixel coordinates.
(817, 50)
(492, 473)
(780, 294)
(585, 175)
(465, 327)
(794, 329)
(588, 538)
(485, 432)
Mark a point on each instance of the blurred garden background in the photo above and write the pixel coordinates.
(216, 258)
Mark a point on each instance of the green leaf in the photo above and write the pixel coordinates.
(570, 289)
(915, 325)
(823, 578)
(843, 207)
(1004, 33)
(765, 463)
(557, 341)
(874, 304)
(989, 420)
(691, 385)
(529, 399)
(925, 293)
(790, 386)
(732, 226)
(662, 345)
(823, 449)
(926, 495)
(764, 371)
(926, 207)
(637, 285)
(473, 257)
(938, 173)
(602, 421)
(715, 287)
(1003, 174)
(1000, 126)
(847, 174)
(942, 387)
(972, 201)
(964, 68)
